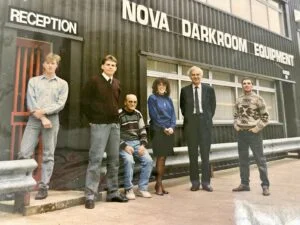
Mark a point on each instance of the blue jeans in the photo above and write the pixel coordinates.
(146, 166)
(49, 139)
(248, 139)
(104, 137)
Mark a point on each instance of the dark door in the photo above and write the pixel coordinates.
(290, 108)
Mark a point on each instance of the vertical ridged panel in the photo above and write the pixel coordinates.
(105, 32)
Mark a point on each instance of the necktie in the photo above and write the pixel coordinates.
(197, 101)
(109, 81)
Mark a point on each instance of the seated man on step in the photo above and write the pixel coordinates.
(132, 145)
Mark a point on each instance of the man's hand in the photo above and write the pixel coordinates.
(46, 122)
(254, 130)
(141, 150)
(237, 128)
(129, 150)
(39, 113)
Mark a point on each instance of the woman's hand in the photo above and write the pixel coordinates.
(168, 131)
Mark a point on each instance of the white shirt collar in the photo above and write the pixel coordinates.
(199, 86)
(54, 77)
(106, 77)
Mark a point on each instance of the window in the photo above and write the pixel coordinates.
(270, 99)
(227, 88)
(260, 13)
(266, 83)
(223, 76)
(222, 4)
(298, 38)
(241, 9)
(265, 13)
(161, 66)
(225, 102)
(275, 21)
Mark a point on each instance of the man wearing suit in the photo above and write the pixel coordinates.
(198, 104)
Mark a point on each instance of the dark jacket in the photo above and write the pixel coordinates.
(208, 100)
(100, 100)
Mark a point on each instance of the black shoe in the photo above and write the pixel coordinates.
(117, 198)
(42, 194)
(195, 188)
(266, 191)
(207, 188)
(242, 187)
(165, 192)
(89, 204)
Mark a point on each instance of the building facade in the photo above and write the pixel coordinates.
(152, 38)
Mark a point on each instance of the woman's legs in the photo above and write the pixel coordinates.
(160, 169)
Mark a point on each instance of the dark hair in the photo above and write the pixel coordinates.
(109, 58)
(165, 82)
(246, 78)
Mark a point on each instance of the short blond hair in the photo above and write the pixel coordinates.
(52, 57)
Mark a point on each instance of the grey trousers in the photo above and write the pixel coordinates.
(104, 137)
(49, 139)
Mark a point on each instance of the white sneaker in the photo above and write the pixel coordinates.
(130, 194)
(144, 194)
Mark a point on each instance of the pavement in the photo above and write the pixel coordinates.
(183, 207)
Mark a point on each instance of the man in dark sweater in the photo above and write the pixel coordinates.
(132, 145)
(100, 102)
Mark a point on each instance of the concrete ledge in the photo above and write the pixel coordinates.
(56, 200)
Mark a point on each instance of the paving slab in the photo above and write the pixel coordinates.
(183, 207)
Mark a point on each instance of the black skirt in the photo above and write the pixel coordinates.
(162, 144)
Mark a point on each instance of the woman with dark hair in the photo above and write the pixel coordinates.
(162, 125)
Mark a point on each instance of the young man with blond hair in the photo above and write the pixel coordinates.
(46, 97)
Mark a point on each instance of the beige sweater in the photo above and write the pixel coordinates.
(250, 112)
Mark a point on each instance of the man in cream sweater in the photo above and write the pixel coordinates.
(250, 118)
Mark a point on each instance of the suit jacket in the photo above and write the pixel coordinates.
(208, 100)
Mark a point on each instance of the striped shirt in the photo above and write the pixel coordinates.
(132, 127)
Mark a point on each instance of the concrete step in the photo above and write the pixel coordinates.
(56, 200)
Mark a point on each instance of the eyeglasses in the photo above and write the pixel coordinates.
(134, 102)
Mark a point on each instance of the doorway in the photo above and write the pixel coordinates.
(290, 108)
(29, 57)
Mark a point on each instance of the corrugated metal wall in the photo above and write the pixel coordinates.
(296, 27)
(105, 32)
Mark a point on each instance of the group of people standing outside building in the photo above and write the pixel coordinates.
(121, 133)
